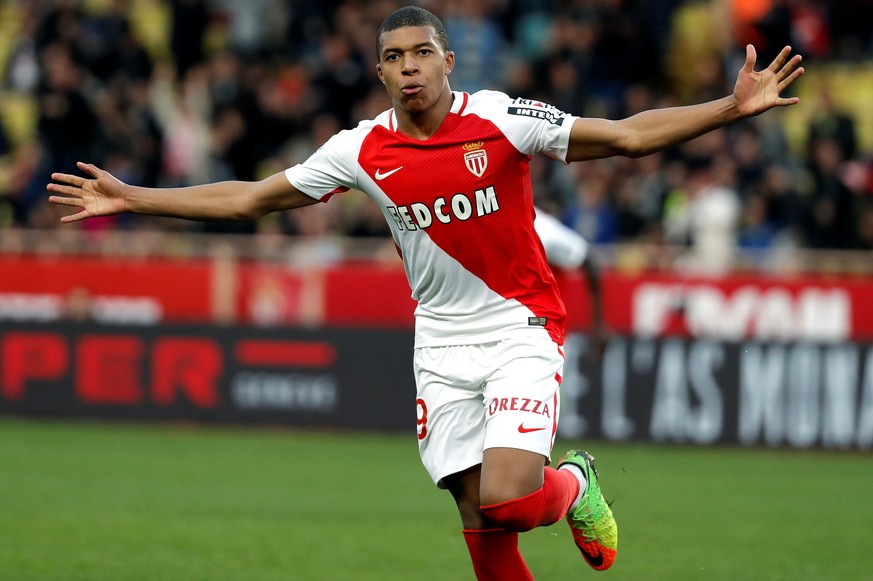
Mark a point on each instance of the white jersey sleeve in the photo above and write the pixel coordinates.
(531, 126)
(333, 168)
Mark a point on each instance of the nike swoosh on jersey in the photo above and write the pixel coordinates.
(524, 430)
(381, 176)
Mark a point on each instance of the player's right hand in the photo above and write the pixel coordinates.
(102, 195)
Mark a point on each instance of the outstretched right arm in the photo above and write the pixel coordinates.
(103, 194)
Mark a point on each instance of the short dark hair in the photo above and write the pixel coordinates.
(412, 16)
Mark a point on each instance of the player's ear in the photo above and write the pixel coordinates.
(450, 62)
(379, 73)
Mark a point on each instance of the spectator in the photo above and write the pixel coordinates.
(476, 35)
(593, 215)
(66, 123)
(833, 212)
(22, 66)
(340, 81)
(190, 20)
(828, 121)
(711, 217)
(756, 232)
(783, 205)
(865, 228)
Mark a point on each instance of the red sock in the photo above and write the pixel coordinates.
(543, 507)
(496, 556)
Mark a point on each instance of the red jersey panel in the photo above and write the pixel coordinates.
(461, 212)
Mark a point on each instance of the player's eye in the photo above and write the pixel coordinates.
(425, 52)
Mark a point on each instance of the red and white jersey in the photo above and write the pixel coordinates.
(461, 212)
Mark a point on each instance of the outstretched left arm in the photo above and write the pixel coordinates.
(657, 129)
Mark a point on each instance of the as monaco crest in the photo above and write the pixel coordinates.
(475, 158)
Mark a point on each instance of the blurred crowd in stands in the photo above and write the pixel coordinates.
(176, 92)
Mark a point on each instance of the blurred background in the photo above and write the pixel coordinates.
(733, 401)
(761, 231)
(188, 91)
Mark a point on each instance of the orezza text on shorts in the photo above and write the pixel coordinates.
(519, 404)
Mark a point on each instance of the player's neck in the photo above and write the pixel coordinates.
(423, 124)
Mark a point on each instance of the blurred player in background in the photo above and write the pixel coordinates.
(568, 250)
(450, 172)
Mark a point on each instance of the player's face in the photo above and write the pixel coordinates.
(414, 68)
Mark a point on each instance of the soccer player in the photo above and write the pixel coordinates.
(450, 172)
(567, 249)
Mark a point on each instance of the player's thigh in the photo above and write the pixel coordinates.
(522, 404)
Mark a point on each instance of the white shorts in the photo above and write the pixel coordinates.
(493, 395)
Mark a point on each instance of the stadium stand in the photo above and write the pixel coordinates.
(184, 91)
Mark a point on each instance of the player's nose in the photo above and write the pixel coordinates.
(410, 65)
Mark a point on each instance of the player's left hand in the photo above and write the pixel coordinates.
(758, 91)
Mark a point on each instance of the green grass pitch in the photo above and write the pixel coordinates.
(107, 501)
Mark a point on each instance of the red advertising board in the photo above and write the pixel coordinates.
(736, 307)
(741, 307)
(120, 290)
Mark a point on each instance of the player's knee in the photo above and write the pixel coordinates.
(471, 516)
(515, 514)
(505, 490)
(465, 490)
(472, 519)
